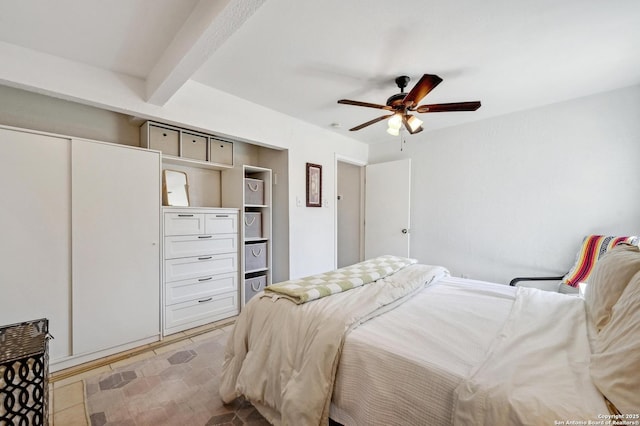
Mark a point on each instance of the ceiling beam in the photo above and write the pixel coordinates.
(210, 24)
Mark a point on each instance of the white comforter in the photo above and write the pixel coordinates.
(283, 357)
(536, 371)
(404, 366)
(467, 352)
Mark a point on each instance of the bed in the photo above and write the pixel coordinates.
(416, 346)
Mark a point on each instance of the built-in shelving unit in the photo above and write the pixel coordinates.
(187, 147)
(250, 189)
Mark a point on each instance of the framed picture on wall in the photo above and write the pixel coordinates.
(314, 185)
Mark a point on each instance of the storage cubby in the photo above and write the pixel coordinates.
(250, 189)
(187, 147)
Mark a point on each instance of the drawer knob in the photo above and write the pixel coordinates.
(205, 258)
(205, 279)
(205, 236)
(205, 300)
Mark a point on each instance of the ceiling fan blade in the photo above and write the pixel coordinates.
(369, 123)
(426, 84)
(453, 106)
(363, 104)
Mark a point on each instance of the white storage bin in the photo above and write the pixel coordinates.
(253, 225)
(253, 286)
(253, 191)
(255, 256)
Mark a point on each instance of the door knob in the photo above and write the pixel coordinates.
(405, 231)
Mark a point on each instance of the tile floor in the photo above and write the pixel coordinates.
(66, 392)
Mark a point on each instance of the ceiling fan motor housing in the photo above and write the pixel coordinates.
(396, 100)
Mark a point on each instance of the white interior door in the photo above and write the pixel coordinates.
(387, 204)
(116, 254)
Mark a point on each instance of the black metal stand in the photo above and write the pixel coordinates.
(24, 373)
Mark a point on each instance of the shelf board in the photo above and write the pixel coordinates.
(255, 239)
(256, 205)
(169, 159)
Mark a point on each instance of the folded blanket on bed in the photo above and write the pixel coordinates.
(283, 356)
(321, 285)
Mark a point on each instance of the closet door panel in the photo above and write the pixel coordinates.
(35, 250)
(116, 257)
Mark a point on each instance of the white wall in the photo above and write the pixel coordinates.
(311, 230)
(514, 195)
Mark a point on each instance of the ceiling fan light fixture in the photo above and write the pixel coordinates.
(393, 131)
(414, 123)
(395, 122)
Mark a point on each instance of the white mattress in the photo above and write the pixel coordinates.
(403, 367)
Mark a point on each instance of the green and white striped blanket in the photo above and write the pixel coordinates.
(316, 286)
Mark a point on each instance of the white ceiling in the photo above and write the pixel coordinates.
(300, 57)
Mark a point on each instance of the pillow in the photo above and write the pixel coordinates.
(593, 247)
(610, 277)
(615, 362)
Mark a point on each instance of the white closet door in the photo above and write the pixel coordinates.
(35, 244)
(116, 257)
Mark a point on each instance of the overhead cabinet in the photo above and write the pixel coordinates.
(183, 146)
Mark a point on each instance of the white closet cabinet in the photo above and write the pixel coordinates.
(35, 247)
(116, 245)
(80, 242)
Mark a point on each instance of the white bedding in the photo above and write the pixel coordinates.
(405, 365)
(466, 352)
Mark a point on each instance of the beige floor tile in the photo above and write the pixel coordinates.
(78, 377)
(132, 359)
(72, 416)
(68, 396)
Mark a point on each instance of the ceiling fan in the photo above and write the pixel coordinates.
(401, 104)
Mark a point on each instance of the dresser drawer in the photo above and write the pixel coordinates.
(200, 288)
(184, 224)
(221, 223)
(199, 267)
(196, 312)
(199, 245)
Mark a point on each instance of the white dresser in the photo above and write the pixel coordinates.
(200, 277)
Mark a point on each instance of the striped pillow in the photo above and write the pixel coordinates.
(593, 247)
